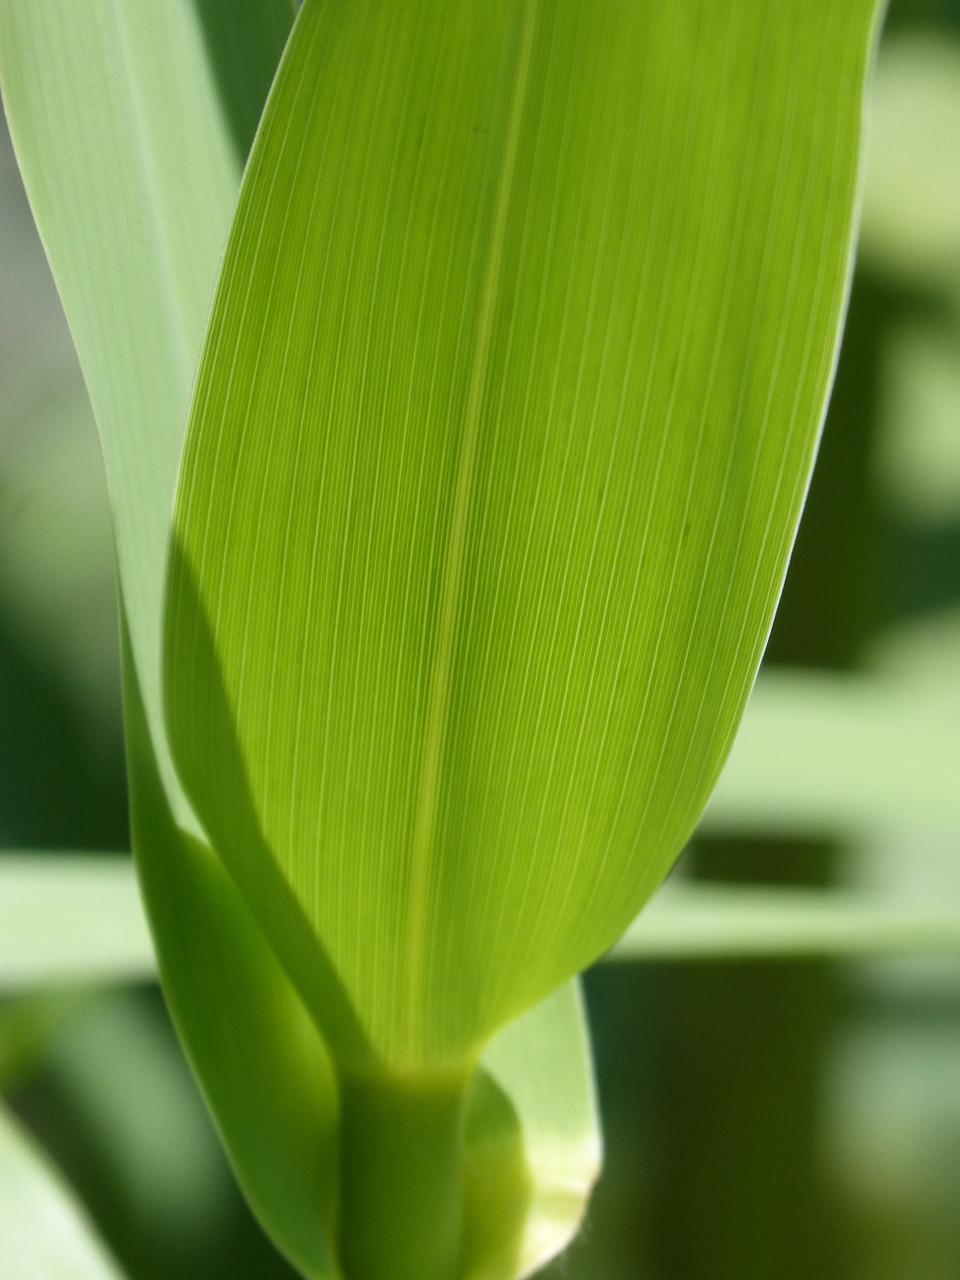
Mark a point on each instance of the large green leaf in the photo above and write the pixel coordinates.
(43, 1233)
(504, 420)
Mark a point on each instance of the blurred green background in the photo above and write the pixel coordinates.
(790, 1119)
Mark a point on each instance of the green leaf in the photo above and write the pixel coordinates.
(502, 428)
(45, 1234)
(682, 919)
(701, 922)
(127, 133)
(913, 181)
(131, 137)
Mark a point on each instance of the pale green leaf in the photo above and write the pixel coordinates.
(131, 142)
(831, 755)
(44, 1235)
(541, 1066)
(70, 920)
(709, 922)
(918, 445)
(910, 226)
(131, 135)
(503, 424)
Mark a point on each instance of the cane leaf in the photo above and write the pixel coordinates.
(503, 423)
(131, 139)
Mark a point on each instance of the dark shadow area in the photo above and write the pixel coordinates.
(54, 792)
(245, 39)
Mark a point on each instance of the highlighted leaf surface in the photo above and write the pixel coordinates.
(502, 429)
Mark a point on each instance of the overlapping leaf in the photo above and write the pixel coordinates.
(131, 146)
(503, 423)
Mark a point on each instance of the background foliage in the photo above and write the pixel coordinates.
(788, 1118)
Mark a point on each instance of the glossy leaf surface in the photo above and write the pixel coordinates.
(502, 428)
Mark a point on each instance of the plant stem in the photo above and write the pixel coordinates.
(401, 1161)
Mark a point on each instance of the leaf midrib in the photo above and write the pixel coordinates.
(439, 693)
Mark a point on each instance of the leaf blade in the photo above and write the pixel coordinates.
(333, 418)
(132, 169)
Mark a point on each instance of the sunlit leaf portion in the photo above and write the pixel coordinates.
(502, 428)
(551, 1098)
(130, 145)
(43, 1233)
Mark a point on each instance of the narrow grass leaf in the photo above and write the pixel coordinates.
(44, 1233)
(829, 755)
(704, 922)
(71, 920)
(129, 142)
(131, 124)
(503, 424)
(681, 919)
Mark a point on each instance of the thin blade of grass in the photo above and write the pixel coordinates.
(131, 138)
(681, 920)
(714, 922)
